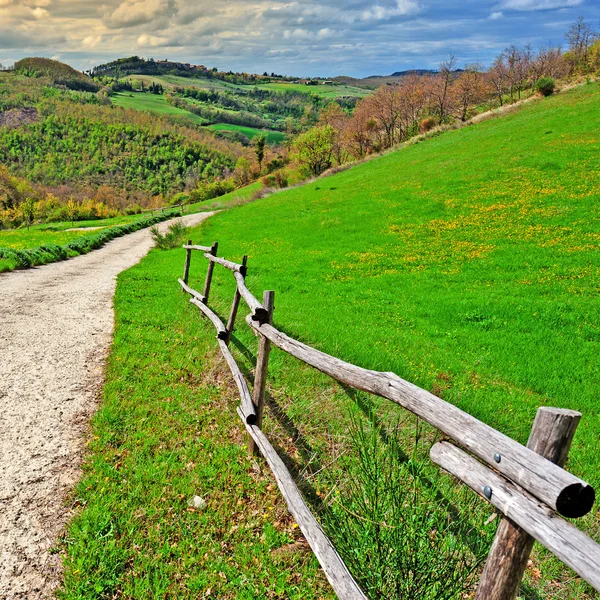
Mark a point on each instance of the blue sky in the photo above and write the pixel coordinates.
(326, 38)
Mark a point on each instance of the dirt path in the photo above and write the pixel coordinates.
(56, 325)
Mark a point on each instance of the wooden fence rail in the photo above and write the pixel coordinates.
(526, 484)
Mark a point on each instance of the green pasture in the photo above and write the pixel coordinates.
(155, 103)
(466, 263)
(273, 137)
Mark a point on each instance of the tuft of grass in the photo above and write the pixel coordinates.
(173, 237)
(405, 530)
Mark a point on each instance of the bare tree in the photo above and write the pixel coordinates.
(581, 36)
(549, 62)
(360, 132)
(497, 77)
(334, 115)
(518, 61)
(439, 89)
(470, 89)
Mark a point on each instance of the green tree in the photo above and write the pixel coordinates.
(28, 211)
(259, 148)
(315, 149)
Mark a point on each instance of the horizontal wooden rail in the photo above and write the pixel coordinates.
(568, 543)
(259, 312)
(559, 489)
(248, 407)
(225, 263)
(196, 247)
(333, 566)
(190, 291)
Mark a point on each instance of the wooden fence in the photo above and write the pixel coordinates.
(527, 484)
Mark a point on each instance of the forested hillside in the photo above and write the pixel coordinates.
(60, 145)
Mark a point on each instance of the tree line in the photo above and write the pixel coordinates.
(418, 103)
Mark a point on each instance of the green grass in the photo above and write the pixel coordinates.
(325, 91)
(466, 263)
(32, 248)
(273, 137)
(56, 233)
(156, 103)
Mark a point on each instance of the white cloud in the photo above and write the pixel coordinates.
(380, 13)
(496, 15)
(139, 12)
(152, 41)
(529, 5)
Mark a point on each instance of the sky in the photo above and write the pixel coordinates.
(304, 38)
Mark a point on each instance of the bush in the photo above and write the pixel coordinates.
(208, 191)
(132, 209)
(174, 236)
(427, 124)
(545, 86)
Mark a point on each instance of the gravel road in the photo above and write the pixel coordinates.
(56, 325)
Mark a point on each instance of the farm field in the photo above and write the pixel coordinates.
(466, 263)
(273, 137)
(156, 103)
(326, 91)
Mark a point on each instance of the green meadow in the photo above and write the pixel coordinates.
(148, 102)
(273, 137)
(466, 263)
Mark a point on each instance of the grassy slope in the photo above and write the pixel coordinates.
(465, 263)
(473, 254)
(152, 103)
(273, 137)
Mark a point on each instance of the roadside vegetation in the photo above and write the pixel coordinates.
(419, 263)
(48, 246)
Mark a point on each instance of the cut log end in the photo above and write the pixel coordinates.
(261, 315)
(575, 501)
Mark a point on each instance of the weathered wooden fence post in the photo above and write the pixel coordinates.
(551, 436)
(186, 267)
(262, 366)
(209, 273)
(236, 303)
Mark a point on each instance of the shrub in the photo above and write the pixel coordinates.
(208, 191)
(133, 209)
(427, 124)
(173, 237)
(545, 86)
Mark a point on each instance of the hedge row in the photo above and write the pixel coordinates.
(42, 255)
